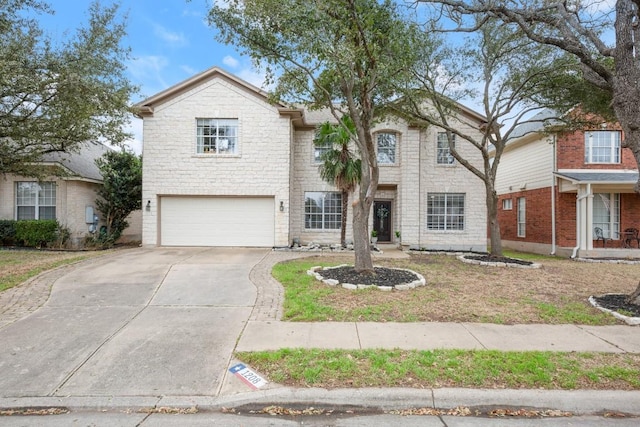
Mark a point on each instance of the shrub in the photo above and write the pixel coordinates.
(7, 231)
(100, 240)
(37, 233)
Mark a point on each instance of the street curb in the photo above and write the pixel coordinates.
(578, 402)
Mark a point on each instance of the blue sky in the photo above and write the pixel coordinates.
(170, 42)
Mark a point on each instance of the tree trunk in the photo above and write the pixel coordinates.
(361, 245)
(494, 225)
(634, 297)
(626, 90)
(343, 225)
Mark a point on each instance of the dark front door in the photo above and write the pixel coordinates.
(382, 220)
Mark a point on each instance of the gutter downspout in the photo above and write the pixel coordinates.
(578, 234)
(553, 196)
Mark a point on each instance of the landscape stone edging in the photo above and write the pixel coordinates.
(313, 271)
(608, 261)
(497, 264)
(633, 321)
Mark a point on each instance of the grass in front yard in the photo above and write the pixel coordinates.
(457, 292)
(446, 368)
(17, 266)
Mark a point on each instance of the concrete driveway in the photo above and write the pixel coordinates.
(146, 322)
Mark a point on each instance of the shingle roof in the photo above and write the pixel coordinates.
(609, 177)
(537, 123)
(81, 163)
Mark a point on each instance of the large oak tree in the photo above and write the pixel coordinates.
(347, 56)
(487, 72)
(603, 38)
(57, 94)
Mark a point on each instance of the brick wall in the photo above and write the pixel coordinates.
(538, 216)
(538, 220)
(570, 148)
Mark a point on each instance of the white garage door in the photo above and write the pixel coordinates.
(217, 221)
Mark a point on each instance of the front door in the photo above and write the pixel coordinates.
(382, 220)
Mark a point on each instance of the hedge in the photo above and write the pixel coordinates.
(33, 233)
(7, 231)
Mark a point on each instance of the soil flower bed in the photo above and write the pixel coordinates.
(498, 261)
(616, 305)
(384, 278)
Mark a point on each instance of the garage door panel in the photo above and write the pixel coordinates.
(217, 221)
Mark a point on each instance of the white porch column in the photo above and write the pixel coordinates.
(589, 218)
(583, 232)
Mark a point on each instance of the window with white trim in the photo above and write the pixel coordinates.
(320, 150)
(606, 214)
(443, 154)
(445, 211)
(386, 142)
(35, 200)
(216, 136)
(602, 147)
(322, 210)
(507, 204)
(522, 217)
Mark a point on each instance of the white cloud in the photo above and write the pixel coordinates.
(230, 61)
(172, 38)
(146, 71)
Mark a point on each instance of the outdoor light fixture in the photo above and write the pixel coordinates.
(148, 205)
(281, 206)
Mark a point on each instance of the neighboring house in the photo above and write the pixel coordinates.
(557, 189)
(69, 199)
(225, 167)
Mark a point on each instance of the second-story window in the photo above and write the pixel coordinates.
(217, 136)
(602, 147)
(386, 148)
(320, 150)
(443, 155)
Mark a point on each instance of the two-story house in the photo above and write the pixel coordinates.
(225, 167)
(568, 193)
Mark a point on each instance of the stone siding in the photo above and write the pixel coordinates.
(172, 167)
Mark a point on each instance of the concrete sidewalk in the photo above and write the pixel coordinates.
(433, 335)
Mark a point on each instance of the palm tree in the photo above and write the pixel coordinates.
(339, 167)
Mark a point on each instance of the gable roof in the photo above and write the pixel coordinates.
(300, 116)
(80, 164)
(146, 107)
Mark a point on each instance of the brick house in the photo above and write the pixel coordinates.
(69, 199)
(225, 167)
(556, 189)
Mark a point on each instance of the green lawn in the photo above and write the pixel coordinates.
(447, 368)
(17, 266)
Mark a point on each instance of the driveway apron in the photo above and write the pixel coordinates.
(149, 322)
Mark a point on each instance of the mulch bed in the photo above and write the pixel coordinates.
(615, 302)
(506, 260)
(383, 277)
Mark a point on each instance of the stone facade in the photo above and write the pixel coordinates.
(276, 159)
(72, 197)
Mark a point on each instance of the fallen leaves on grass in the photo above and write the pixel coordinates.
(34, 411)
(169, 410)
(280, 410)
(527, 413)
(458, 411)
